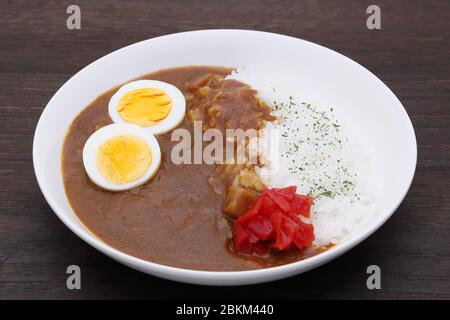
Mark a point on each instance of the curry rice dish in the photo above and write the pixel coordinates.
(126, 190)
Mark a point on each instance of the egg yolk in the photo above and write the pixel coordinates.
(145, 106)
(123, 159)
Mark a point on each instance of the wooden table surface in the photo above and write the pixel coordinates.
(410, 54)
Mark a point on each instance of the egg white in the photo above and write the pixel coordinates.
(108, 132)
(173, 119)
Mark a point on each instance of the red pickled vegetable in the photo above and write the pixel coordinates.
(288, 192)
(252, 212)
(280, 199)
(261, 227)
(302, 205)
(240, 237)
(273, 222)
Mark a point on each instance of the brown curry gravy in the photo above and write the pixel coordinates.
(176, 219)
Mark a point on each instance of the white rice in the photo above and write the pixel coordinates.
(321, 159)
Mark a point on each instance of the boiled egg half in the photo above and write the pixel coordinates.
(121, 156)
(154, 105)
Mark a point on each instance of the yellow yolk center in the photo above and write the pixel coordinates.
(123, 159)
(145, 106)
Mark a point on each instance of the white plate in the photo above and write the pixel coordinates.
(323, 76)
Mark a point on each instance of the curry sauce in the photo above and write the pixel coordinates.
(177, 218)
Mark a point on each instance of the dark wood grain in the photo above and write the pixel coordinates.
(410, 54)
